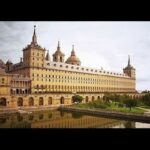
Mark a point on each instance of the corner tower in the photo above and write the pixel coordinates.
(129, 70)
(34, 54)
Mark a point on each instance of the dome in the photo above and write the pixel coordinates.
(58, 51)
(73, 59)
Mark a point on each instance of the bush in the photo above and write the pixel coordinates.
(77, 98)
(98, 104)
(120, 105)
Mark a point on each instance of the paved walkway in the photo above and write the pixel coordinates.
(147, 110)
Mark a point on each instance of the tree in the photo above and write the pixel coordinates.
(77, 98)
(146, 99)
(106, 96)
(146, 91)
(130, 103)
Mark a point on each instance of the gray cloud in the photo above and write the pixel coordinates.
(97, 44)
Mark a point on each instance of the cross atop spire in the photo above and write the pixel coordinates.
(34, 38)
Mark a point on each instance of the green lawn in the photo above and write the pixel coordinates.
(100, 105)
(126, 109)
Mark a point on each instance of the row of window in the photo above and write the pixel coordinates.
(105, 82)
(71, 77)
(37, 65)
(51, 87)
(71, 72)
(42, 55)
(37, 59)
(86, 69)
(20, 83)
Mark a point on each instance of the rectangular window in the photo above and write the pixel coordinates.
(3, 80)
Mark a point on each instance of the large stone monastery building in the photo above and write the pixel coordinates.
(41, 80)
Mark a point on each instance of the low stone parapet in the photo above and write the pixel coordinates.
(110, 114)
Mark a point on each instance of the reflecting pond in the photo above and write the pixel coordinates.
(60, 119)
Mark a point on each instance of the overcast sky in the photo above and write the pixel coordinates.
(97, 44)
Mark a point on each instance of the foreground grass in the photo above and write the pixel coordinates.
(101, 105)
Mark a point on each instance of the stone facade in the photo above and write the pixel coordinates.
(38, 81)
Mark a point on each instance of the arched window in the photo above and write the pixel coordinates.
(60, 59)
(86, 99)
(17, 91)
(62, 99)
(93, 98)
(31, 101)
(41, 101)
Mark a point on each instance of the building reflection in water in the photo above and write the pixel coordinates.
(60, 119)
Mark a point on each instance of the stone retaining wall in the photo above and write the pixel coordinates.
(110, 114)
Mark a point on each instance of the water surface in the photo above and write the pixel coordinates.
(59, 119)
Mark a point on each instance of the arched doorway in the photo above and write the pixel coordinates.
(62, 99)
(98, 97)
(31, 101)
(93, 98)
(3, 101)
(86, 99)
(41, 101)
(20, 101)
(50, 101)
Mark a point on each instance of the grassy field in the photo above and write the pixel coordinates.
(112, 106)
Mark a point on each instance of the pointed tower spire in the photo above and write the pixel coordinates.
(34, 38)
(128, 60)
(58, 47)
(73, 52)
(47, 56)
